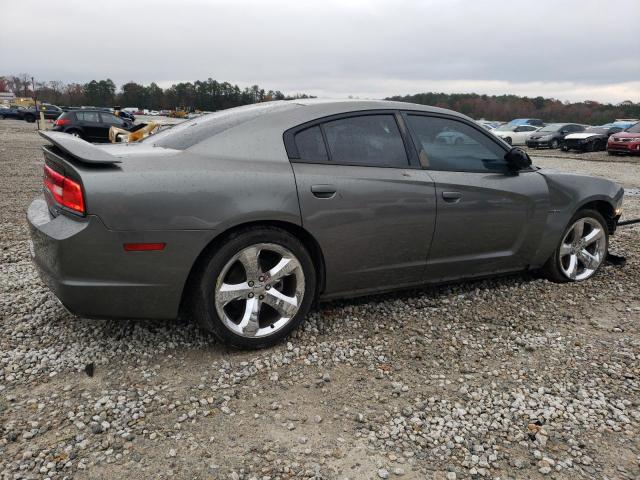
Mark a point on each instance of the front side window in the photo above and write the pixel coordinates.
(451, 145)
(372, 140)
(111, 119)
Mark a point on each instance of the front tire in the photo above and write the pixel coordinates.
(554, 144)
(30, 118)
(582, 249)
(255, 288)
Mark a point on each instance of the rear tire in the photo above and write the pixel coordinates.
(256, 281)
(579, 256)
(30, 118)
(554, 144)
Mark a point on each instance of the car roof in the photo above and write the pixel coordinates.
(350, 104)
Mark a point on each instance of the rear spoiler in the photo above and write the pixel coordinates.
(79, 149)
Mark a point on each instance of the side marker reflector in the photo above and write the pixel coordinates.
(143, 247)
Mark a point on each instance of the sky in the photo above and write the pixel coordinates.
(567, 49)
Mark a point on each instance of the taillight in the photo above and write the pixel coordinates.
(65, 191)
(61, 122)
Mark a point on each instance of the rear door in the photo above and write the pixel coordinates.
(489, 220)
(365, 200)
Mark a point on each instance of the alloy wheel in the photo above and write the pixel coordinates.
(583, 249)
(259, 290)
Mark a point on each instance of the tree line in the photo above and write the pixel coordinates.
(507, 107)
(209, 95)
(212, 95)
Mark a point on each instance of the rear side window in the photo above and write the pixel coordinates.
(372, 140)
(310, 145)
(91, 117)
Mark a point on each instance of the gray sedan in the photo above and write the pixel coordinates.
(245, 218)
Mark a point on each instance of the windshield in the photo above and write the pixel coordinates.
(634, 129)
(552, 127)
(602, 129)
(191, 132)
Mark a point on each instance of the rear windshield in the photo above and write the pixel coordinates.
(191, 132)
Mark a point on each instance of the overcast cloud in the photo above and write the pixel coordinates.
(566, 49)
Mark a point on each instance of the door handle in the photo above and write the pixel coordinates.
(323, 191)
(452, 197)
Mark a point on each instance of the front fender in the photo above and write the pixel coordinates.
(568, 193)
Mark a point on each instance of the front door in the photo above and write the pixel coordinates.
(489, 220)
(370, 209)
(91, 124)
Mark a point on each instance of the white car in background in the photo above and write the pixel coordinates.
(515, 134)
(488, 124)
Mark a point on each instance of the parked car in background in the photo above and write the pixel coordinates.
(51, 112)
(515, 134)
(13, 111)
(244, 218)
(91, 125)
(550, 136)
(627, 141)
(125, 115)
(488, 124)
(592, 139)
(536, 122)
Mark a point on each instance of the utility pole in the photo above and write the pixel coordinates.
(35, 102)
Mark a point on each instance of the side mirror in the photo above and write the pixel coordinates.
(517, 159)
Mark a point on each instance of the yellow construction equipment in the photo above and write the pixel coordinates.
(180, 112)
(120, 135)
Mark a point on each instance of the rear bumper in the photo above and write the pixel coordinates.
(86, 267)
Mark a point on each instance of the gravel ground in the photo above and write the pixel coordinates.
(509, 378)
(601, 156)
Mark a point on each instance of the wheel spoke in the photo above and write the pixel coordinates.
(578, 228)
(284, 305)
(572, 269)
(593, 236)
(590, 261)
(284, 267)
(249, 258)
(249, 324)
(565, 249)
(228, 292)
